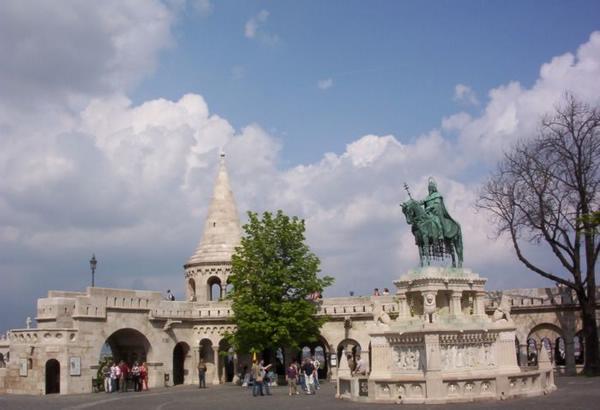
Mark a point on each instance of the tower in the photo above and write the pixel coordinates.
(210, 265)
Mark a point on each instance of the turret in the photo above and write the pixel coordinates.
(210, 265)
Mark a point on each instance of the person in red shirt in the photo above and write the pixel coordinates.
(124, 375)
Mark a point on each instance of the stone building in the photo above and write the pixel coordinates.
(61, 354)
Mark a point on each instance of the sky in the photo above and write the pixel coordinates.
(112, 115)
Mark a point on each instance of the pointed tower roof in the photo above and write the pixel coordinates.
(222, 230)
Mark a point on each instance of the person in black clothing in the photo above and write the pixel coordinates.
(309, 376)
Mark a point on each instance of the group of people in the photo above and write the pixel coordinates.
(116, 377)
(385, 292)
(305, 375)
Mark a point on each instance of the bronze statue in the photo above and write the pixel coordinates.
(437, 234)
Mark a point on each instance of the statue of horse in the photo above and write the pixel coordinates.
(433, 243)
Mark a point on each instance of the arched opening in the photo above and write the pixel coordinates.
(544, 335)
(578, 348)
(2, 362)
(226, 362)
(192, 290)
(317, 350)
(214, 288)
(128, 345)
(517, 351)
(207, 355)
(532, 352)
(52, 376)
(560, 352)
(180, 354)
(351, 348)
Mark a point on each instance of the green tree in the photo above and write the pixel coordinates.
(273, 275)
(547, 191)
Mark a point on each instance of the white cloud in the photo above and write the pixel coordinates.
(254, 29)
(202, 7)
(465, 95)
(325, 83)
(132, 182)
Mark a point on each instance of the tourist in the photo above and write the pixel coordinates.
(317, 365)
(245, 376)
(202, 374)
(361, 367)
(309, 376)
(266, 375)
(135, 376)
(291, 376)
(257, 378)
(123, 377)
(115, 373)
(170, 296)
(386, 292)
(144, 376)
(376, 292)
(107, 379)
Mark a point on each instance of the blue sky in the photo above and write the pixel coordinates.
(112, 115)
(394, 65)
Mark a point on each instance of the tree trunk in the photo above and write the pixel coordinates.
(590, 333)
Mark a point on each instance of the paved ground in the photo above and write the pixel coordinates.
(574, 393)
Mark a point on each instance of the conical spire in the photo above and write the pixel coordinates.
(222, 230)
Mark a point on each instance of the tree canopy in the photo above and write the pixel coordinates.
(546, 191)
(274, 275)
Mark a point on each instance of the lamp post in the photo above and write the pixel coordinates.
(93, 263)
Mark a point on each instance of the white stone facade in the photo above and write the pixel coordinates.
(72, 327)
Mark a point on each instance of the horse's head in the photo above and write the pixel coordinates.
(408, 209)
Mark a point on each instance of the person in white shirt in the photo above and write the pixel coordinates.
(361, 367)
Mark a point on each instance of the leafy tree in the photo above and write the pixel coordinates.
(274, 274)
(546, 191)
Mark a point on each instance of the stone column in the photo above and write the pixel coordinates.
(216, 360)
(403, 310)
(195, 360)
(479, 303)
(523, 354)
(236, 378)
(455, 305)
(433, 371)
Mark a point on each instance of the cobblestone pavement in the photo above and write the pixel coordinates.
(574, 393)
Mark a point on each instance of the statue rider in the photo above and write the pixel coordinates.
(434, 206)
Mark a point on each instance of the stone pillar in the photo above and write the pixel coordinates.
(523, 354)
(505, 352)
(195, 360)
(455, 303)
(236, 369)
(433, 369)
(216, 360)
(381, 357)
(403, 310)
(479, 303)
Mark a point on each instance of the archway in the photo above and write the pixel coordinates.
(351, 348)
(207, 355)
(215, 290)
(226, 362)
(192, 289)
(52, 376)
(180, 353)
(128, 345)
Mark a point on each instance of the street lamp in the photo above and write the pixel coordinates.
(93, 263)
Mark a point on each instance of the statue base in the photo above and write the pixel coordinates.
(442, 347)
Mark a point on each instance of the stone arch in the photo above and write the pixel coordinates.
(227, 361)
(351, 348)
(214, 288)
(546, 336)
(208, 356)
(52, 375)
(191, 289)
(129, 345)
(181, 363)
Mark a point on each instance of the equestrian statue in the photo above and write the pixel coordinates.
(437, 234)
